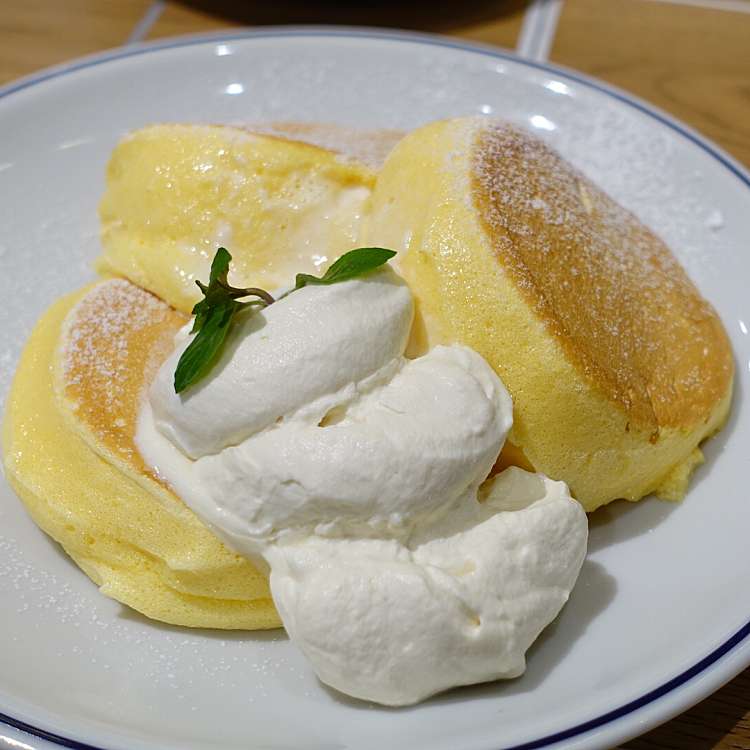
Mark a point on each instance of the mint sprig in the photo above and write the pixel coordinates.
(216, 311)
(213, 316)
(348, 266)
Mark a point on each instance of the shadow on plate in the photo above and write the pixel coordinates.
(438, 15)
(250, 636)
(58, 550)
(592, 594)
(594, 590)
(714, 447)
(622, 520)
(130, 615)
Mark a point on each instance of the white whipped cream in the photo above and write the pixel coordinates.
(395, 623)
(354, 473)
(297, 353)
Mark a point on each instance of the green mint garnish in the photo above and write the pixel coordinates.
(213, 316)
(220, 303)
(348, 266)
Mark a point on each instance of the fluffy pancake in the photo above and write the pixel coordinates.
(176, 192)
(370, 147)
(173, 194)
(69, 454)
(617, 366)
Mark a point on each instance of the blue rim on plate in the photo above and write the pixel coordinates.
(743, 634)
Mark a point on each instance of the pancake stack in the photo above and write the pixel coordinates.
(173, 193)
(618, 368)
(282, 206)
(69, 455)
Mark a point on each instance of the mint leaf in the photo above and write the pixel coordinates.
(213, 317)
(349, 266)
(215, 312)
(220, 266)
(213, 293)
(201, 311)
(200, 354)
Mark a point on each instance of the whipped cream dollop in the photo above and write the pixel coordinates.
(356, 475)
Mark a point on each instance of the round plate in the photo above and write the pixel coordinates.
(660, 616)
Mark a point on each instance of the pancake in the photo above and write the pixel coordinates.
(174, 193)
(70, 456)
(369, 147)
(617, 366)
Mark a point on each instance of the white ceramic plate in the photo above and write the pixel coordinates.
(661, 614)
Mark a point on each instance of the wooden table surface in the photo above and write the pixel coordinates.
(689, 57)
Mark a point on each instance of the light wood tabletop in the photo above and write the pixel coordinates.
(688, 57)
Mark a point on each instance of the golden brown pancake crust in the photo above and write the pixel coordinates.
(116, 339)
(607, 287)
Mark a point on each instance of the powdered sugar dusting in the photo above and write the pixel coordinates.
(637, 166)
(608, 287)
(99, 634)
(99, 328)
(367, 146)
(110, 339)
(715, 221)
